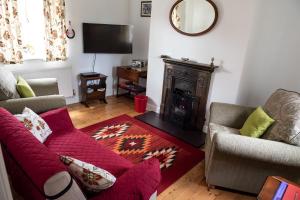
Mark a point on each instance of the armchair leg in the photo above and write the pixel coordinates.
(210, 187)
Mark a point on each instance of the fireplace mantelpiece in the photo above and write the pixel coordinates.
(189, 80)
(192, 78)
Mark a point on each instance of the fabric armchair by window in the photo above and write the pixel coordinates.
(47, 97)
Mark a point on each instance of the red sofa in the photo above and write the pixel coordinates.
(30, 164)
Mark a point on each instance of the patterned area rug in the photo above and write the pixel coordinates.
(137, 141)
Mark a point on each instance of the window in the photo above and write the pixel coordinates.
(33, 28)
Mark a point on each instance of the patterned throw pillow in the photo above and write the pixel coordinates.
(35, 124)
(284, 107)
(94, 179)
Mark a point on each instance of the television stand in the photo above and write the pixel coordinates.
(90, 74)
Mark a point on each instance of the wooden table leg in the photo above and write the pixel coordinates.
(118, 87)
(85, 103)
(105, 100)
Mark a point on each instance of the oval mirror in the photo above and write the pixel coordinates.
(193, 17)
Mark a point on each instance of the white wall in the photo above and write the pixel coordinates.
(141, 30)
(227, 42)
(273, 55)
(95, 11)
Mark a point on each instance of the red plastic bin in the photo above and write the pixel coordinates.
(140, 103)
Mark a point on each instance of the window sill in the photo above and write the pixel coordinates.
(35, 65)
(34, 59)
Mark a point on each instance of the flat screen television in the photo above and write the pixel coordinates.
(107, 38)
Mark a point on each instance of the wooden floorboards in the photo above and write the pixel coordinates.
(191, 186)
(99, 111)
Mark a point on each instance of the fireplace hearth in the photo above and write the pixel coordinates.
(184, 99)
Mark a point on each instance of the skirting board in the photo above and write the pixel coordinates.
(151, 107)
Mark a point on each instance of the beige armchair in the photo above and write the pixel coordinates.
(243, 163)
(47, 97)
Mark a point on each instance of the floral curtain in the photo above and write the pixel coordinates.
(10, 33)
(54, 11)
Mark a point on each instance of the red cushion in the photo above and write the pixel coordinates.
(58, 120)
(27, 153)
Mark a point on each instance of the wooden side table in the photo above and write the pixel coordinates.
(93, 88)
(132, 76)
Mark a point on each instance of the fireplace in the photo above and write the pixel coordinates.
(181, 108)
(184, 98)
(185, 91)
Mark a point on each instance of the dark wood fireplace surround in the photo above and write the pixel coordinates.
(192, 80)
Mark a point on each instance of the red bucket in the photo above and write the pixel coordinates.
(140, 103)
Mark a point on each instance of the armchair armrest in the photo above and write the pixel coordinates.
(44, 86)
(37, 104)
(230, 115)
(257, 149)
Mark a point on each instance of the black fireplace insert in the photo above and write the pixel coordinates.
(181, 107)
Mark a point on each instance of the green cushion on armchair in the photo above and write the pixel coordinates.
(257, 123)
(24, 88)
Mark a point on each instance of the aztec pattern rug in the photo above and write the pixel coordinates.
(137, 141)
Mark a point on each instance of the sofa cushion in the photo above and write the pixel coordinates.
(35, 124)
(8, 83)
(24, 89)
(284, 107)
(93, 179)
(257, 123)
(58, 120)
